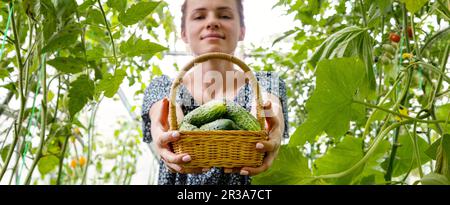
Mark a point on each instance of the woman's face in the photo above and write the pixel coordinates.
(212, 26)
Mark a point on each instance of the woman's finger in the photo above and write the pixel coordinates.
(251, 171)
(171, 157)
(267, 146)
(168, 137)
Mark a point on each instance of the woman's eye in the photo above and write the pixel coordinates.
(225, 17)
(199, 17)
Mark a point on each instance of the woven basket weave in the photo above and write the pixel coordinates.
(219, 148)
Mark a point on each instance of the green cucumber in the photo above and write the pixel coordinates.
(206, 113)
(220, 124)
(242, 117)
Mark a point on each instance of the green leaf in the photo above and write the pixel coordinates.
(65, 9)
(119, 5)
(414, 5)
(68, 64)
(443, 113)
(156, 71)
(3, 73)
(50, 20)
(111, 83)
(96, 53)
(434, 179)
(81, 90)
(47, 164)
(95, 17)
(63, 39)
(4, 152)
(349, 42)
(330, 106)
(372, 172)
(340, 158)
(138, 47)
(405, 155)
(137, 12)
(290, 167)
(383, 5)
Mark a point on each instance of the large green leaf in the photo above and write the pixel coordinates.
(290, 167)
(111, 83)
(64, 38)
(81, 90)
(330, 107)
(340, 158)
(47, 164)
(67, 64)
(414, 5)
(351, 41)
(119, 5)
(138, 47)
(137, 12)
(405, 157)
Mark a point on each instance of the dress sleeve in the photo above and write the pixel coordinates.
(275, 85)
(158, 88)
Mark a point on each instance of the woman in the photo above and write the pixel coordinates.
(212, 26)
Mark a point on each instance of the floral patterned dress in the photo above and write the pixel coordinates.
(160, 88)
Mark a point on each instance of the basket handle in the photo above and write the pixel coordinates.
(200, 59)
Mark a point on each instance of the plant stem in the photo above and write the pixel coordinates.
(416, 150)
(43, 118)
(367, 126)
(18, 122)
(109, 32)
(397, 114)
(91, 140)
(61, 160)
(401, 101)
(405, 25)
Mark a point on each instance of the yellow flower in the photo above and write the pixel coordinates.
(407, 55)
(403, 111)
(73, 163)
(82, 161)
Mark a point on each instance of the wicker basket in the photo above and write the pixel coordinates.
(219, 148)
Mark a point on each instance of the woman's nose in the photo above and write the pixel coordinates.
(213, 24)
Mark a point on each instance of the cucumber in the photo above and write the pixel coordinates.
(220, 124)
(187, 127)
(206, 113)
(242, 117)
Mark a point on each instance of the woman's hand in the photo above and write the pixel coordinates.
(270, 147)
(163, 137)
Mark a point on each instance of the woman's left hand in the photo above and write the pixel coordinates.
(270, 147)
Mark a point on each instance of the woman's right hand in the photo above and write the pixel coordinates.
(162, 137)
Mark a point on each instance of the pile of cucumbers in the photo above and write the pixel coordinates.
(219, 115)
